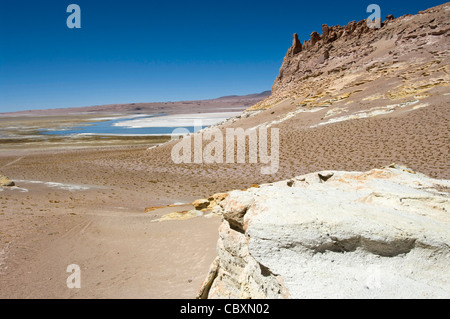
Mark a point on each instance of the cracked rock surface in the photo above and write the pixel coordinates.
(378, 234)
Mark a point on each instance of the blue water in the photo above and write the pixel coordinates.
(107, 127)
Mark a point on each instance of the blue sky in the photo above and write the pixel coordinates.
(149, 51)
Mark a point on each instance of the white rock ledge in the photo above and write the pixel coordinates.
(379, 234)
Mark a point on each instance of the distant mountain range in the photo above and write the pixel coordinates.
(223, 103)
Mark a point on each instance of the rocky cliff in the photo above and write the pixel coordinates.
(355, 56)
(379, 234)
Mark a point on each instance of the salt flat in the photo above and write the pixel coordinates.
(178, 120)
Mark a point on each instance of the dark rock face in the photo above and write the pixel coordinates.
(331, 34)
(325, 31)
(315, 37)
(296, 46)
(390, 17)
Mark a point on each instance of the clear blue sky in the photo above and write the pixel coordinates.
(148, 51)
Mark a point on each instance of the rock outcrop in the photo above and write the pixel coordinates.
(200, 204)
(296, 46)
(379, 234)
(210, 203)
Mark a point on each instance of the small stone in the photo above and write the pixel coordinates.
(200, 204)
(5, 181)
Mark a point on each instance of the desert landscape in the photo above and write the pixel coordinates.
(363, 181)
(65, 201)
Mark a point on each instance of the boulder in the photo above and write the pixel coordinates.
(200, 204)
(6, 182)
(378, 234)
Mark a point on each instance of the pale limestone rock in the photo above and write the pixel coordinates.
(379, 234)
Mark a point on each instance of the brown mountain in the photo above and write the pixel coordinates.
(200, 106)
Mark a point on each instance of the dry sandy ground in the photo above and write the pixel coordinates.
(121, 255)
(95, 218)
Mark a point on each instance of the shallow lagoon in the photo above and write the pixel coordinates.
(158, 124)
(110, 127)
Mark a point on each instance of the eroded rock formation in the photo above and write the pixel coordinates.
(349, 50)
(296, 46)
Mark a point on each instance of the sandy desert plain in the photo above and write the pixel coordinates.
(82, 200)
